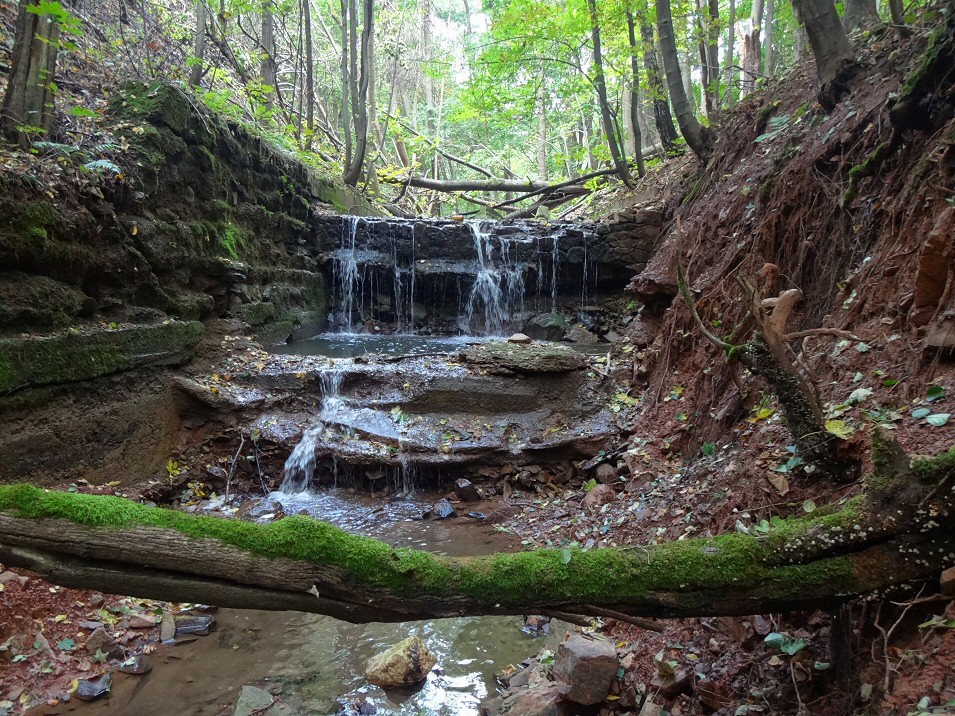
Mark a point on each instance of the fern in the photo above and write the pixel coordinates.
(102, 165)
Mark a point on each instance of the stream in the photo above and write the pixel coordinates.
(311, 662)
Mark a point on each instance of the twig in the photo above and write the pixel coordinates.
(802, 707)
(887, 635)
(235, 460)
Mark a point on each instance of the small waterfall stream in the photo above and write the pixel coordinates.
(302, 463)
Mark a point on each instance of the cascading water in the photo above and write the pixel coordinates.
(301, 464)
(346, 275)
(498, 293)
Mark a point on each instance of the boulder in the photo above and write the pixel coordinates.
(586, 667)
(405, 664)
(578, 334)
(600, 495)
(540, 701)
(465, 490)
(546, 327)
(92, 689)
(253, 700)
(606, 474)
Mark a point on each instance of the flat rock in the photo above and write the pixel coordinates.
(578, 334)
(92, 689)
(534, 358)
(535, 701)
(139, 664)
(586, 668)
(465, 490)
(405, 664)
(669, 687)
(520, 339)
(253, 700)
(142, 621)
(167, 630)
(200, 624)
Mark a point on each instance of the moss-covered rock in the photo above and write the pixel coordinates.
(69, 357)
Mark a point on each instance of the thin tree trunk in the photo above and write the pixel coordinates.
(30, 95)
(835, 61)
(662, 118)
(269, 69)
(768, 53)
(623, 170)
(897, 10)
(635, 94)
(860, 14)
(345, 115)
(731, 73)
(309, 76)
(709, 106)
(713, 49)
(699, 138)
(541, 111)
(199, 46)
(360, 87)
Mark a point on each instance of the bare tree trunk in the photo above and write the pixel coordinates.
(662, 118)
(897, 10)
(769, 55)
(699, 138)
(360, 87)
(731, 73)
(860, 14)
(713, 49)
(541, 111)
(309, 76)
(623, 170)
(835, 61)
(635, 94)
(269, 69)
(346, 113)
(29, 98)
(709, 106)
(199, 47)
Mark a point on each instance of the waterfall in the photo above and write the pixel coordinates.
(346, 276)
(301, 464)
(497, 292)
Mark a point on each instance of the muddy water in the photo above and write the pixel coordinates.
(311, 661)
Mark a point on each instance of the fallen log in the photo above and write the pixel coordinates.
(899, 534)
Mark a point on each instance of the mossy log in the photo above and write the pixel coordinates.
(900, 534)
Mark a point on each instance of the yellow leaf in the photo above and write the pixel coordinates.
(59, 618)
(134, 230)
(839, 428)
(74, 685)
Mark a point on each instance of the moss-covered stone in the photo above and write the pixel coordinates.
(69, 357)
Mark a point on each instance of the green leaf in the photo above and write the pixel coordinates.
(859, 394)
(708, 449)
(774, 640)
(793, 646)
(20, 657)
(590, 484)
(820, 665)
(938, 420)
(934, 393)
(891, 382)
(100, 656)
(920, 413)
(80, 111)
(863, 347)
(565, 555)
(808, 506)
(66, 645)
(839, 428)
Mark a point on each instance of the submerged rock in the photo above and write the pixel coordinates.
(586, 668)
(253, 700)
(92, 689)
(405, 664)
(442, 509)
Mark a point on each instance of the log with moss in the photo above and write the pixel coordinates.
(899, 534)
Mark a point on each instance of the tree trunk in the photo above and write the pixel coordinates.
(699, 138)
(897, 10)
(635, 94)
(768, 54)
(662, 119)
(309, 76)
(623, 170)
(199, 47)
(709, 105)
(835, 62)
(731, 73)
(860, 14)
(541, 111)
(269, 69)
(29, 98)
(713, 49)
(809, 562)
(360, 88)
(749, 56)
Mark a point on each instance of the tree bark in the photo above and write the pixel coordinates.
(29, 98)
(360, 89)
(835, 61)
(768, 54)
(616, 151)
(662, 118)
(309, 75)
(268, 68)
(713, 49)
(199, 46)
(297, 563)
(699, 138)
(540, 110)
(731, 73)
(635, 94)
(860, 14)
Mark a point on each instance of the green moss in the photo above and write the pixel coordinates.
(512, 579)
(71, 357)
(230, 238)
(933, 470)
